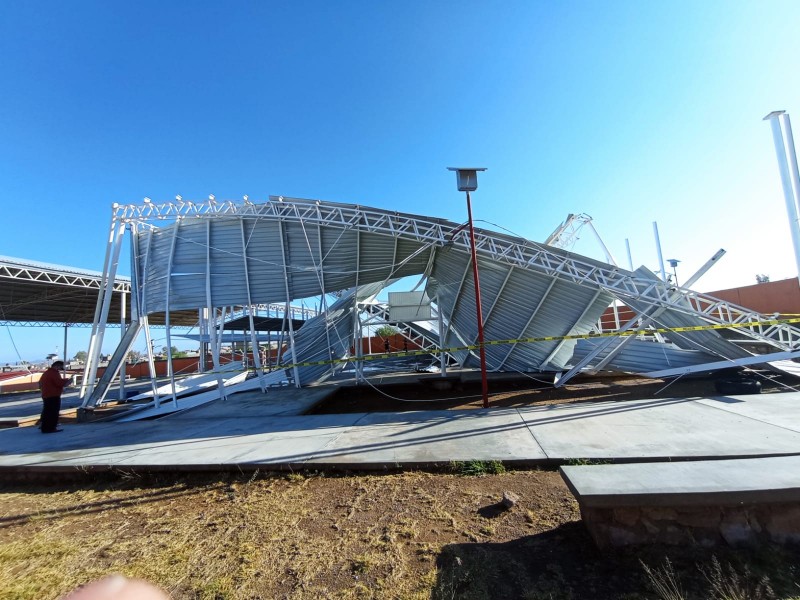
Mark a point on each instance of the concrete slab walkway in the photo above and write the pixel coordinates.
(250, 432)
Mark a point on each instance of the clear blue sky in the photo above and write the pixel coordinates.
(632, 112)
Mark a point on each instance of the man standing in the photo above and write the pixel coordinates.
(52, 385)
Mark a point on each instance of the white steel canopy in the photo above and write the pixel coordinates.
(211, 254)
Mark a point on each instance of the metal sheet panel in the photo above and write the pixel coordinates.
(405, 307)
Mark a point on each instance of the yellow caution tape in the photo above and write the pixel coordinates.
(552, 338)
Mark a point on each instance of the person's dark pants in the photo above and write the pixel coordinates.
(52, 406)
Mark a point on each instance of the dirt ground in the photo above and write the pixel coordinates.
(396, 535)
(391, 535)
(522, 392)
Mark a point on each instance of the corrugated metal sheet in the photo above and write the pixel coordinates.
(641, 356)
(265, 258)
(328, 336)
(315, 261)
(709, 341)
(516, 304)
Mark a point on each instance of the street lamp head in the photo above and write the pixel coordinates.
(466, 178)
(673, 262)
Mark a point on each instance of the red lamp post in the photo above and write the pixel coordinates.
(467, 180)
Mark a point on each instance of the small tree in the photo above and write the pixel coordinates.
(81, 355)
(385, 331)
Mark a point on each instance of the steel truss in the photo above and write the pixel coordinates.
(627, 286)
(18, 271)
(495, 246)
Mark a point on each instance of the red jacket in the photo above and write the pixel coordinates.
(51, 383)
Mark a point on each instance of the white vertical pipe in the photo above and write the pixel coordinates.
(288, 308)
(442, 357)
(628, 250)
(658, 249)
(201, 352)
(212, 317)
(104, 298)
(786, 181)
(253, 337)
(122, 373)
(792, 155)
(357, 343)
(606, 251)
(151, 363)
(167, 292)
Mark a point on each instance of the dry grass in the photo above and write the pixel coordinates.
(400, 536)
(290, 536)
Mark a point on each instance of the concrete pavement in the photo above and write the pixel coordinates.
(256, 431)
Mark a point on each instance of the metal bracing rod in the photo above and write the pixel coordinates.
(323, 298)
(122, 373)
(606, 251)
(103, 305)
(203, 330)
(645, 321)
(442, 359)
(320, 272)
(100, 390)
(136, 307)
(90, 370)
(212, 326)
(358, 339)
(284, 251)
(527, 324)
(560, 344)
(704, 269)
(456, 300)
(497, 297)
(168, 290)
(151, 362)
(145, 272)
(253, 339)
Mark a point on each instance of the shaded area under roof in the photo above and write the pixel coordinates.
(41, 294)
(260, 324)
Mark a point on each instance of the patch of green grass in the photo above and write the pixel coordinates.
(475, 468)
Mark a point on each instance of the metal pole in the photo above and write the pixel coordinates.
(442, 357)
(658, 249)
(786, 181)
(122, 373)
(630, 258)
(479, 313)
(792, 156)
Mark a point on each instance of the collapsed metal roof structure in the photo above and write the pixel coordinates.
(209, 256)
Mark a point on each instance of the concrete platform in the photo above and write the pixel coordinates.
(731, 502)
(689, 483)
(254, 431)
